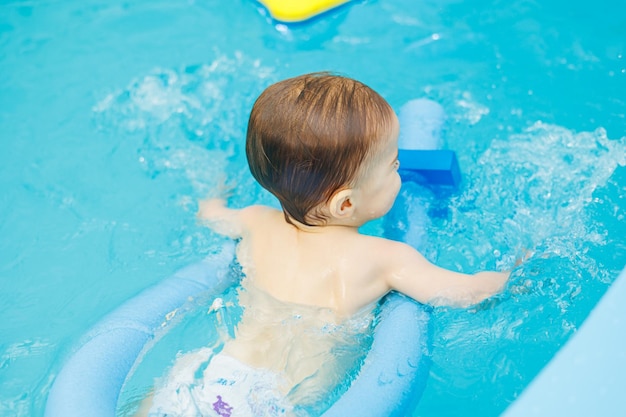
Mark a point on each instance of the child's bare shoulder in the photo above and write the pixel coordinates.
(257, 212)
(388, 246)
(259, 217)
(391, 255)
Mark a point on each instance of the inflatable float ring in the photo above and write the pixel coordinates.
(389, 383)
(292, 11)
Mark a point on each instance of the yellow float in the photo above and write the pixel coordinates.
(291, 11)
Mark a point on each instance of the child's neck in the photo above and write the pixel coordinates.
(332, 225)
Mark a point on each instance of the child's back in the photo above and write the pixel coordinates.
(330, 267)
(307, 307)
(312, 348)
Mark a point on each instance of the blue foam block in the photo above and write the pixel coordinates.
(439, 167)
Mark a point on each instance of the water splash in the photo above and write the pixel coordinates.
(190, 121)
(530, 191)
(534, 191)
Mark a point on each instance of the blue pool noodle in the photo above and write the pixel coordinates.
(90, 381)
(394, 375)
(389, 383)
(421, 157)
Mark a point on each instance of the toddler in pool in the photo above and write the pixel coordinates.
(326, 146)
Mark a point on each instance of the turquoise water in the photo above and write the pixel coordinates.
(116, 116)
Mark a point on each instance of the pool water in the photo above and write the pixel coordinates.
(115, 117)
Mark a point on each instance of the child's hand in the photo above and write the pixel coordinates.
(527, 254)
(215, 201)
(223, 189)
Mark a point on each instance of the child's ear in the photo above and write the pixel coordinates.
(342, 204)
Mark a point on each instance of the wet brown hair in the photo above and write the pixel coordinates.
(308, 137)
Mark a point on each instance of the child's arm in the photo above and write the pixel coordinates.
(223, 220)
(234, 223)
(414, 276)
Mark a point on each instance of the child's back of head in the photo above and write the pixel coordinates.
(309, 136)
